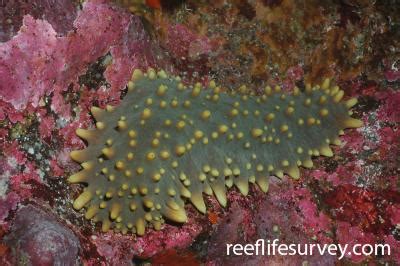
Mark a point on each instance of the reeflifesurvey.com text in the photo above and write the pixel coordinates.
(263, 247)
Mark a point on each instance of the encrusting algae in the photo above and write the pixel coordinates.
(167, 142)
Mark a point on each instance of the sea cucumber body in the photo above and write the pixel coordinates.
(166, 142)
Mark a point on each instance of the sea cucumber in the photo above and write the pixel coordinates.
(167, 142)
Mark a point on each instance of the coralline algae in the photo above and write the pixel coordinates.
(167, 142)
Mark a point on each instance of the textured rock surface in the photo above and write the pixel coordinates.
(259, 42)
(38, 238)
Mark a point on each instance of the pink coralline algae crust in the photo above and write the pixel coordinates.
(352, 235)
(60, 13)
(183, 43)
(134, 51)
(51, 62)
(14, 180)
(121, 249)
(392, 75)
(288, 216)
(190, 52)
(390, 110)
(8, 204)
(37, 45)
(38, 238)
(393, 242)
(171, 237)
(39, 61)
(350, 198)
(359, 208)
(115, 249)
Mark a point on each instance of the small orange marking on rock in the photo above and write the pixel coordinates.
(212, 217)
(154, 3)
